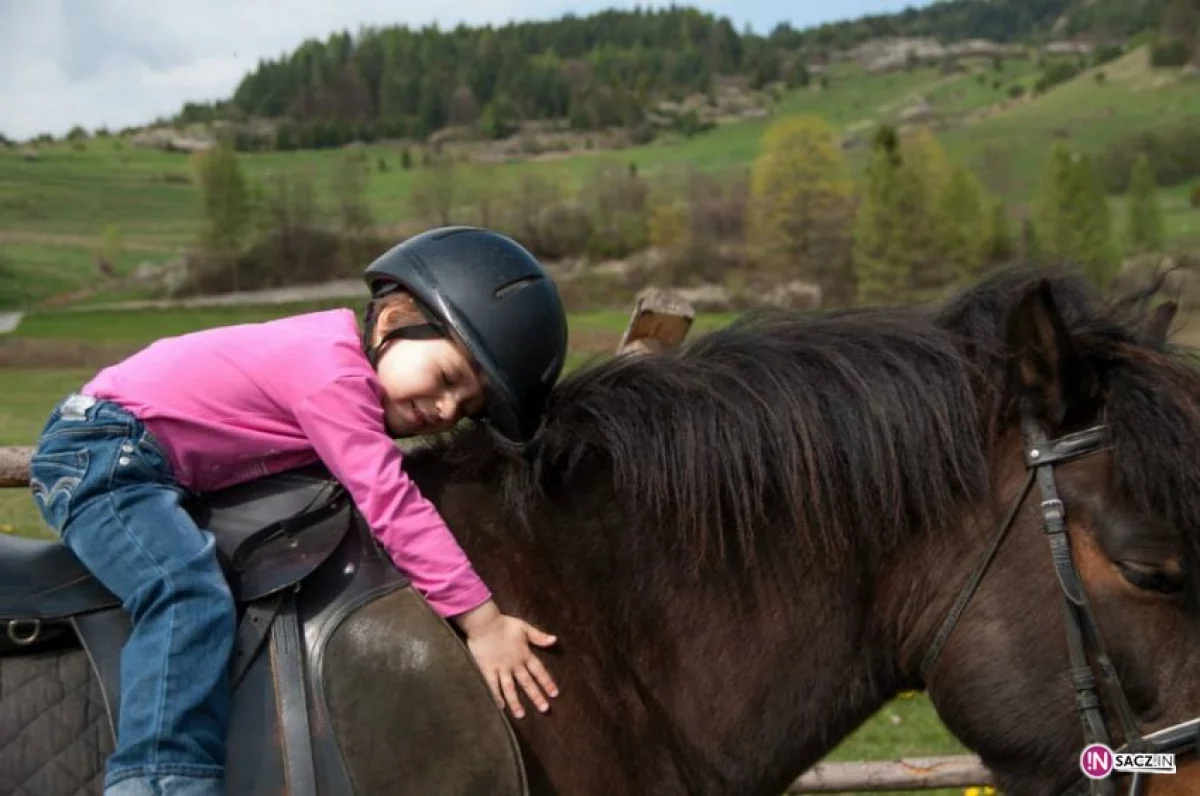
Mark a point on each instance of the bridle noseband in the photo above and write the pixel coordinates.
(1083, 632)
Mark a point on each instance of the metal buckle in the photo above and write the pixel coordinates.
(24, 640)
(1054, 509)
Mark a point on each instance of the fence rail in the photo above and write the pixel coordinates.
(14, 467)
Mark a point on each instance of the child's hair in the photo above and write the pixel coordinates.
(394, 311)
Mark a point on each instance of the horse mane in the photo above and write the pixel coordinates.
(729, 444)
(792, 434)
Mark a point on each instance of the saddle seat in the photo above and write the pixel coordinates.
(270, 534)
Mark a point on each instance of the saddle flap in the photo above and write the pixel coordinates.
(273, 532)
(285, 552)
(42, 579)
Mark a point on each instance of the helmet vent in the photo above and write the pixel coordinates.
(513, 287)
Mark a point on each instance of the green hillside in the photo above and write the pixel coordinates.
(55, 208)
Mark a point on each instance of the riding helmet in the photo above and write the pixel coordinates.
(494, 296)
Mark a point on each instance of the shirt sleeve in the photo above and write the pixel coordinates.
(344, 422)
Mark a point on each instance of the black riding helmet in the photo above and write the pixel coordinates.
(494, 296)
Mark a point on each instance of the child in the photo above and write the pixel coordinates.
(463, 322)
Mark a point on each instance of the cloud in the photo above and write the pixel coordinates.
(118, 63)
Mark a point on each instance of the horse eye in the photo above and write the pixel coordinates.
(1148, 578)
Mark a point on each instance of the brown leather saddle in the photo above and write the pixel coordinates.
(299, 560)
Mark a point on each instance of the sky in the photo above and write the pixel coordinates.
(118, 63)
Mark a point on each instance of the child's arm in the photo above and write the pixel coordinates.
(344, 422)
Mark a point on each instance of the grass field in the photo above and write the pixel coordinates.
(54, 210)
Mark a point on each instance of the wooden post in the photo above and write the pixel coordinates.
(660, 320)
(910, 773)
(14, 467)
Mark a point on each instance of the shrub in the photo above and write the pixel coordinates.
(1174, 154)
(1170, 52)
(1055, 73)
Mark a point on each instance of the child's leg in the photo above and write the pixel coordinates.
(124, 521)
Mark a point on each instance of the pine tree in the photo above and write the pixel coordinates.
(922, 223)
(925, 175)
(1000, 245)
(1031, 244)
(881, 270)
(1145, 221)
(1052, 220)
(1091, 218)
(1074, 223)
(963, 223)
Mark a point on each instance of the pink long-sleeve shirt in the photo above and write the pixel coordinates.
(235, 403)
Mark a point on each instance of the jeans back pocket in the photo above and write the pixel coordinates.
(53, 479)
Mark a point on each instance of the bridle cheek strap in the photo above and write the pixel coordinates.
(1083, 631)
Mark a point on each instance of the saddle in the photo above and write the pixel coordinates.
(272, 535)
(257, 528)
(345, 681)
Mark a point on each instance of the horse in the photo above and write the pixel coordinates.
(749, 544)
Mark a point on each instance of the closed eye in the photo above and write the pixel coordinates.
(1148, 578)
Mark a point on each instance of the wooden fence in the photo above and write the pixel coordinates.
(661, 320)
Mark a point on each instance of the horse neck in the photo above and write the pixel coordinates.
(679, 660)
(803, 670)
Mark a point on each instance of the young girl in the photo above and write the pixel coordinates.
(463, 322)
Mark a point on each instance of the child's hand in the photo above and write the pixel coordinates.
(500, 644)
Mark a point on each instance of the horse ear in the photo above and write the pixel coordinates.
(1055, 383)
(1159, 323)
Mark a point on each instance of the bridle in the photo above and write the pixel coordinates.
(1083, 632)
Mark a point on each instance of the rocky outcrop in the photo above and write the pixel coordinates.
(892, 54)
(170, 140)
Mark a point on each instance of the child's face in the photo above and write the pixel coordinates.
(430, 385)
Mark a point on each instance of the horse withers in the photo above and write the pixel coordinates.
(747, 546)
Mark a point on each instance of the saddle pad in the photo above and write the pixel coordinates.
(54, 733)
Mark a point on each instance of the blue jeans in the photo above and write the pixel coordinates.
(103, 484)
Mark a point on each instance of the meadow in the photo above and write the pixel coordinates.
(55, 209)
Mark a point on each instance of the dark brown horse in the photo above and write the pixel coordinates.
(748, 546)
